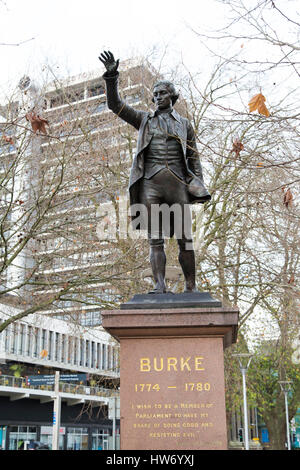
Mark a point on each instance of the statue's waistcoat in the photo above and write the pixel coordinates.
(164, 149)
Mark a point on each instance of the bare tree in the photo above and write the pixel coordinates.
(256, 182)
(58, 168)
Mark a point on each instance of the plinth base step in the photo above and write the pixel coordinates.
(169, 300)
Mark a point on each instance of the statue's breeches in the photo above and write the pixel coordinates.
(166, 201)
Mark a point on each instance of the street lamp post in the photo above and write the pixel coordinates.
(244, 362)
(285, 386)
(56, 413)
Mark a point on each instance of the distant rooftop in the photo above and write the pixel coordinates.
(95, 74)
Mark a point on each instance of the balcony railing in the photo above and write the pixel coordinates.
(76, 389)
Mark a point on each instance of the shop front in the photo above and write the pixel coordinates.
(25, 421)
(70, 438)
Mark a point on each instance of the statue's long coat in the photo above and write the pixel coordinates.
(139, 119)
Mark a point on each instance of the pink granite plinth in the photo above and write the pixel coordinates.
(172, 376)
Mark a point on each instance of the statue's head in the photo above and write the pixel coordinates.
(164, 94)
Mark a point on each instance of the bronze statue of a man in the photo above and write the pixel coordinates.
(166, 170)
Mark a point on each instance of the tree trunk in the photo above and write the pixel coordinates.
(277, 432)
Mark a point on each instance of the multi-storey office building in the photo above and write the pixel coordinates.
(54, 182)
(53, 343)
(59, 179)
(36, 347)
(85, 158)
(78, 161)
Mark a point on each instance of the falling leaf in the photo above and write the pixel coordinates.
(8, 139)
(37, 122)
(44, 353)
(258, 103)
(292, 279)
(259, 164)
(237, 146)
(288, 198)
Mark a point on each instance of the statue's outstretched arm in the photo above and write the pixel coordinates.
(114, 101)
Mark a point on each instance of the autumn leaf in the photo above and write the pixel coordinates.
(8, 139)
(37, 122)
(288, 198)
(237, 147)
(44, 353)
(258, 103)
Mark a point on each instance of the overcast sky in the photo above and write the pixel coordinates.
(69, 34)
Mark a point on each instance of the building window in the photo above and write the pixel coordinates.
(87, 353)
(76, 351)
(46, 436)
(56, 347)
(95, 90)
(103, 357)
(108, 357)
(71, 347)
(77, 439)
(100, 439)
(35, 342)
(29, 340)
(63, 348)
(116, 359)
(15, 339)
(5, 338)
(62, 98)
(91, 318)
(98, 358)
(50, 345)
(19, 435)
(99, 108)
(21, 339)
(43, 339)
(56, 101)
(81, 351)
(131, 99)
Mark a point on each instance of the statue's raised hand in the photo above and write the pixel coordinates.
(109, 62)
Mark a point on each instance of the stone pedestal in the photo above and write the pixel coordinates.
(172, 371)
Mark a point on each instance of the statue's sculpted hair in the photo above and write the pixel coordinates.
(170, 87)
